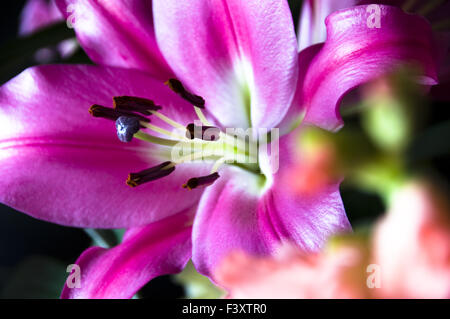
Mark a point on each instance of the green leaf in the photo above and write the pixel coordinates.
(16, 55)
(431, 143)
(37, 277)
(105, 238)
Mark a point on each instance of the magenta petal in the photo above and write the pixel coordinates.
(235, 215)
(117, 33)
(355, 53)
(60, 164)
(297, 109)
(308, 220)
(239, 55)
(227, 220)
(158, 249)
(311, 27)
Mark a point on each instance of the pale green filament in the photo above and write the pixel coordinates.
(217, 164)
(168, 120)
(201, 116)
(154, 139)
(222, 135)
(162, 131)
(221, 151)
(228, 149)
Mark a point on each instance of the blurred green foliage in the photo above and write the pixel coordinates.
(18, 54)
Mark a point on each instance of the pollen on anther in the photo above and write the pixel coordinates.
(113, 114)
(176, 86)
(150, 174)
(202, 181)
(135, 104)
(206, 133)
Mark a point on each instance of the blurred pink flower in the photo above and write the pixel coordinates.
(315, 169)
(38, 14)
(408, 256)
(412, 245)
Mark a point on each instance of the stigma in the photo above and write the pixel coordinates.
(126, 128)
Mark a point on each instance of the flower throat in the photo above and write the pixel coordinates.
(200, 141)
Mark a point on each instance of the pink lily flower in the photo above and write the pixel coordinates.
(362, 44)
(61, 165)
(408, 256)
(312, 30)
(38, 14)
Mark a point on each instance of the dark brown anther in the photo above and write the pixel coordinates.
(178, 88)
(150, 174)
(201, 181)
(135, 104)
(206, 133)
(113, 114)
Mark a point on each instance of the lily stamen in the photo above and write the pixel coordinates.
(155, 139)
(150, 174)
(218, 164)
(202, 181)
(201, 116)
(168, 120)
(135, 104)
(113, 114)
(206, 133)
(129, 124)
(176, 86)
(162, 131)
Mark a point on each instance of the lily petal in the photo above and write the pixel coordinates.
(158, 249)
(244, 212)
(61, 165)
(37, 14)
(239, 55)
(227, 220)
(311, 27)
(297, 110)
(117, 33)
(307, 219)
(355, 53)
(312, 30)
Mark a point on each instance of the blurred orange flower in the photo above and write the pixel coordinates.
(408, 256)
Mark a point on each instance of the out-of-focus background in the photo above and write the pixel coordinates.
(34, 254)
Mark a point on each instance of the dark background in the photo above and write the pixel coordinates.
(33, 251)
